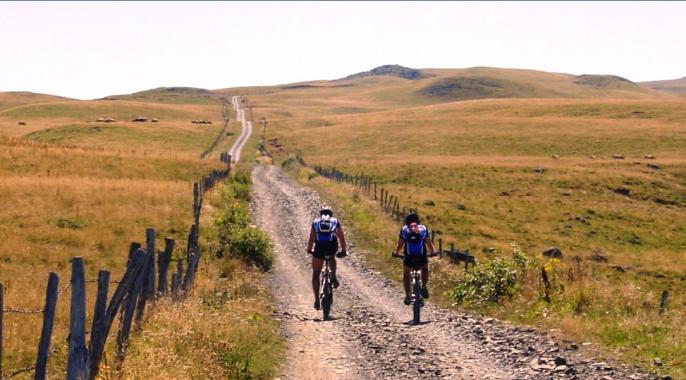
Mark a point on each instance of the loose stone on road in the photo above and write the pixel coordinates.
(370, 336)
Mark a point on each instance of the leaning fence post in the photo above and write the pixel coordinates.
(143, 291)
(664, 300)
(97, 344)
(452, 253)
(78, 352)
(127, 317)
(46, 331)
(440, 247)
(163, 261)
(150, 248)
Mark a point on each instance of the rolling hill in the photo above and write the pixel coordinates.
(674, 86)
(19, 98)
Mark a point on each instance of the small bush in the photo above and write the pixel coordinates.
(490, 282)
(289, 162)
(253, 246)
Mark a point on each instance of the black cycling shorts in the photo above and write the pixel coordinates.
(325, 248)
(415, 261)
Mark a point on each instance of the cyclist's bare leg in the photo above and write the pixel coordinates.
(425, 275)
(406, 280)
(317, 265)
(332, 266)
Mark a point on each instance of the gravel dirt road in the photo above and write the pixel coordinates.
(370, 336)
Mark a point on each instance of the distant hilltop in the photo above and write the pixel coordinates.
(393, 70)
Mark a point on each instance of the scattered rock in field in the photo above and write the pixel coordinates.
(429, 202)
(618, 268)
(140, 119)
(460, 206)
(657, 361)
(201, 122)
(598, 256)
(100, 120)
(592, 156)
(617, 156)
(553, 252)
(649, 157)
(623, 191)
(154, 120)
(555, 156)
(539, 170)
(567, 193)
(653, 166)
(22, 123)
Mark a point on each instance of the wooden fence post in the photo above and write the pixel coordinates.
(452, 253)
(130, 276)
(374, 190)
(98, 337)
(664, 300)
(150, 248)
(141, 294)
(175, 286)
(440, 247)
(546, 284)
(46, 331)
(163, 261)
(134, 293)
(77, 358)
(135, 246)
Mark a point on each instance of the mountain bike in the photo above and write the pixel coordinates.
(416, 299)
(326, 288)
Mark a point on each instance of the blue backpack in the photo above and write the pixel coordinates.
(414, 241)
(325, 229)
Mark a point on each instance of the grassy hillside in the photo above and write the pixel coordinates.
(469, 167)
(20, 98)
(674, 86)
(72, 186)
(172, 95)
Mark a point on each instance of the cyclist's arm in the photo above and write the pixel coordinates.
(310, 242)
(400, 244)
(341, 237)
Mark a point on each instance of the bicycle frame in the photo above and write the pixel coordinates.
(326, 288)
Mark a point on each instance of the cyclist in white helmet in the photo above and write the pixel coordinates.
(325, 233)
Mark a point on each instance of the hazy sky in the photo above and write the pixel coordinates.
(90, 50)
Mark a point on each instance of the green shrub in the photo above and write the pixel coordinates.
(490, 282)
(289, 162)
(252, 245)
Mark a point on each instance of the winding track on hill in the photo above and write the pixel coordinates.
(246, 130)
(370, 336)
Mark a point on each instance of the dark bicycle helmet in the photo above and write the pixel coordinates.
(411, 218)
(325, 210)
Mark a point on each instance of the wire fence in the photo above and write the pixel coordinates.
(145, 279)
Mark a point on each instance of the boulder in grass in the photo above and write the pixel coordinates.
(617, 156)
(553, 252)
(140, 119)
(653, 166)
(649, 157)
(22, 123)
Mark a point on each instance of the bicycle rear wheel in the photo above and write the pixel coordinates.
(416, 304)
(327, 300)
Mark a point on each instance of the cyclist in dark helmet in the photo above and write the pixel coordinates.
(414, 239)
(325, 233)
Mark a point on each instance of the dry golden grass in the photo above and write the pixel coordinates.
(71, 187)
(474, 160)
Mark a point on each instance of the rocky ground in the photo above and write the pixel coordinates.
(370, 335)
